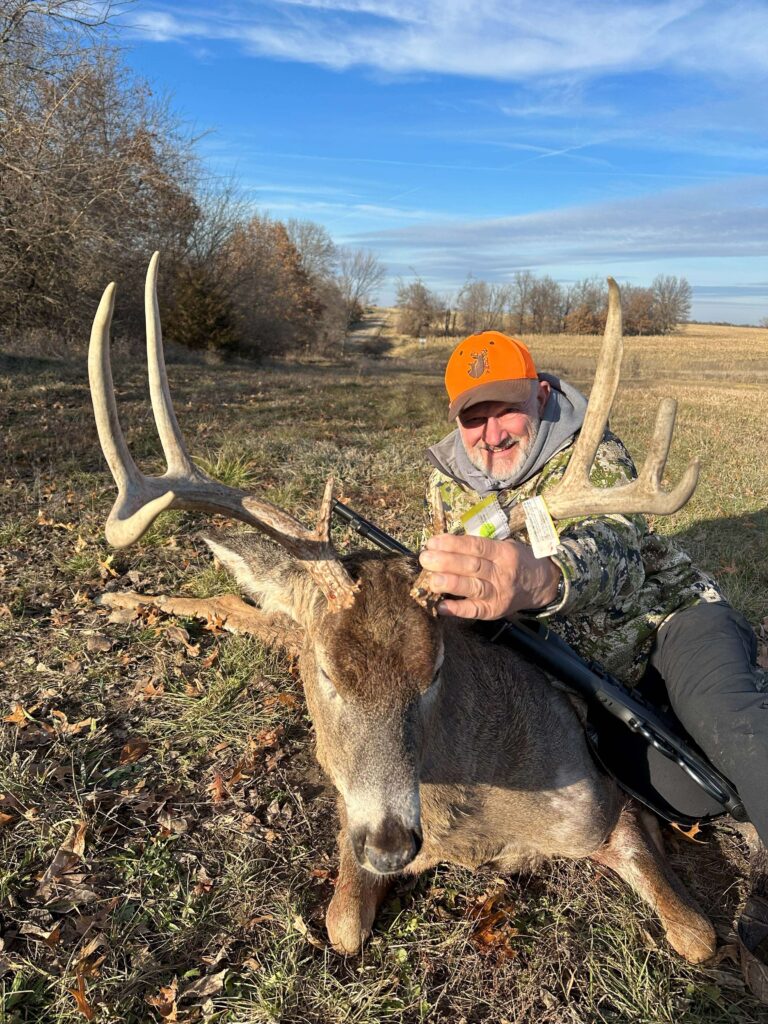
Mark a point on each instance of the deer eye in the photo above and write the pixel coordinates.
(327, 688)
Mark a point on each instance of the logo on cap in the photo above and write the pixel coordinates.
(479, 364)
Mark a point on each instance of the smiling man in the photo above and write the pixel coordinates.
(618, 593)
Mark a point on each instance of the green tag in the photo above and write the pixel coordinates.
(486, 519)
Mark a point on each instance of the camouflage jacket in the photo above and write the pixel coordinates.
(621, 580)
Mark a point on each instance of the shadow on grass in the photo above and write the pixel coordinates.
(734, 549)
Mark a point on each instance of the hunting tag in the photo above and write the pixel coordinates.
(541, 530)
(486, 519)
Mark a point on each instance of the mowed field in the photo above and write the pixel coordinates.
(167, 839)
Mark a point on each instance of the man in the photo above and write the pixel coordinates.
(615, 591)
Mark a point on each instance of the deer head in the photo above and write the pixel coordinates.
(371, 675)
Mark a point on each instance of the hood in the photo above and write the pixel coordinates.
(562, 417)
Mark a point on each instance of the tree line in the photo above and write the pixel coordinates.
(541, 305)
(96, 172)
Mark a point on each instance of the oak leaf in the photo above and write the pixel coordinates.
(79, 995)
(218, 789)
(19, 716)
(689, 833)
(133, 749)
(165, 1001)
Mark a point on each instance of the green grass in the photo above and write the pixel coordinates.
(203, 851)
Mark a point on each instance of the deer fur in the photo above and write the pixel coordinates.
(445, 748)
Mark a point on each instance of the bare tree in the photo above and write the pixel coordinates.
(586, 303)
(520, 300)
(318, 252)
(672, 302)
(638, 308)
(277, 303)
(545, 305)
(62, 23)
(417, 308)
(482, 306)
(359, 274)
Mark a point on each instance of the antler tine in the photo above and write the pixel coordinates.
(132, 498)
(421, 591)
(176, 455)
(603, 392)
(649, 477)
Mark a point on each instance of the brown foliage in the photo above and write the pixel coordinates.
(94, 173)
(277, 304)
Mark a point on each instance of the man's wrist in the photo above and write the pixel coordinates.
(556, 598)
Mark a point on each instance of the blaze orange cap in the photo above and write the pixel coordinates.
(488, 367)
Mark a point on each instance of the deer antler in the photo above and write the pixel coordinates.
(421, 591)
(574, 495)
(142, 498)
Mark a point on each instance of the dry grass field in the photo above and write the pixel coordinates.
(167, 839)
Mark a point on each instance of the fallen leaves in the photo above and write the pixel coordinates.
(79, 995)
(133, 749)
(218, 789)
(20, 716)
(67, 856)
(97, 642)
(303, 929)
(494, 933)
(44, 520)
(105, 565)
(165, 1001)
(66, 728)
(689, 833)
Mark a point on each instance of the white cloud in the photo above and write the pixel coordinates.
(727, 219)
(497, 39)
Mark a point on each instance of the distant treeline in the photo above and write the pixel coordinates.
(96, 172)
(540, 305)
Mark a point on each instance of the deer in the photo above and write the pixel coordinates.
(442, 747)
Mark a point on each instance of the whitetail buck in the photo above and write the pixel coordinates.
(442, 747)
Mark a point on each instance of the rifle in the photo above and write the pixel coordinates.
(671, 763)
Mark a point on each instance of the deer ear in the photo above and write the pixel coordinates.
(265, 572)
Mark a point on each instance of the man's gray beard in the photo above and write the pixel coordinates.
(522, 448)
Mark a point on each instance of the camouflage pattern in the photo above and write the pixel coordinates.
(621, 580)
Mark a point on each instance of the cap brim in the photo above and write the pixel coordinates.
(518, 390)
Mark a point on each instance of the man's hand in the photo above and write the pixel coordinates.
(491, 578)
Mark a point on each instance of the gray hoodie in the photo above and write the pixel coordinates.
(561, 419)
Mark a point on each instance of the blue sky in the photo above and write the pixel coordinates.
(455, 137)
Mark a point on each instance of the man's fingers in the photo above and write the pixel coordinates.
(462, 544)
(457, 564)
(461, 586)
(466, 609)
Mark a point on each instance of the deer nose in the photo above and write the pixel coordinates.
(388, 848)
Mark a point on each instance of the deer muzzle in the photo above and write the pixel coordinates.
(388, 848)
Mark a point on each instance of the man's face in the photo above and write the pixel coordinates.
(498, 436)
